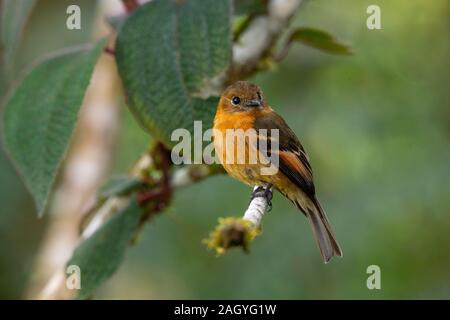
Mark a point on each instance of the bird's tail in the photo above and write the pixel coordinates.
(321, 227)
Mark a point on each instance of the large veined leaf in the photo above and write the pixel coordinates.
(14, 14)
(167, 53)
(100, 255)
(41, 114)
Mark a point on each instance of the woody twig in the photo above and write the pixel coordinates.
(239, 232)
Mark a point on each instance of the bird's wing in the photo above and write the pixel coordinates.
(293, 160)
(294, 164)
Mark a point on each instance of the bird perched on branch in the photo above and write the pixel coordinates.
(257, 147)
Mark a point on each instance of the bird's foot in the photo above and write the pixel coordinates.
(263, 192)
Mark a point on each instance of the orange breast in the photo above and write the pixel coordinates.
(240, 158)
(226, 124)
(236, 120)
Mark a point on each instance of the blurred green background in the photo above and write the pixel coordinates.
(376, 126)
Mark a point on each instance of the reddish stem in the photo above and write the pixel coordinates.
(150, 195)
(109, 50)
(165, 164)
(130, 5)
(163, 194)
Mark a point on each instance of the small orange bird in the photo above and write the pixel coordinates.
(242, 107)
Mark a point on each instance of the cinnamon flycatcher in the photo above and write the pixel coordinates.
(243, 107)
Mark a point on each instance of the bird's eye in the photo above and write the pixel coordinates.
(235, 101)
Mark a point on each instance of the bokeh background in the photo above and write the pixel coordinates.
(376, 126)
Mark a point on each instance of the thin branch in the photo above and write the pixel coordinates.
(258, 207)
(239, 232)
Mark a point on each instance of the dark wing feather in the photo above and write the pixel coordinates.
(294, 162)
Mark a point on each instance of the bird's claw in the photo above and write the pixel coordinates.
(263, 192)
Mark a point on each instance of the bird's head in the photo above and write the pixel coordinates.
(242, 96)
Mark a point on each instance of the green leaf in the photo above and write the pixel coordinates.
(14, 15)
(41, 114)
(247, 7)
(119, 186)
(167, 53)
(99, 256)
(320, 40)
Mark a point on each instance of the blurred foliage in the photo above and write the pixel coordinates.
(376, 126)
(119, 185)
(14, 15)
(246, 7)
(318, 39)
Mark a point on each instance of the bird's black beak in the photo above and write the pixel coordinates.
(253, 103)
